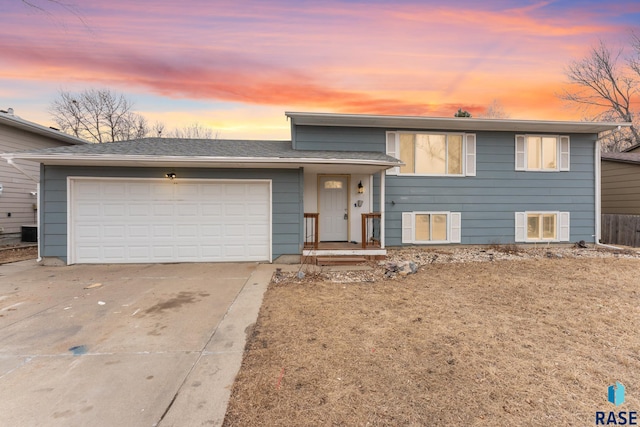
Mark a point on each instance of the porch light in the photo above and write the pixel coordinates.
(171, 175)
(360, 188)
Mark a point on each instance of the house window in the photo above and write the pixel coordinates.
(333, 185)
(432, 154)
(542, 153)
(542, 226)
(431, 227)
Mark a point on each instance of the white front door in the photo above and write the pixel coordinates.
(334, 219)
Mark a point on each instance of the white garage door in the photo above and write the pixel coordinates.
(150, 220)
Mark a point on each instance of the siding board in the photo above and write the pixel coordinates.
(489, 200)
(286, 210)
(16, 197)
(620, 188)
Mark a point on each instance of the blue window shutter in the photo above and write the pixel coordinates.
(470, 164)
(455, 227)
(564, 153)
(520, 153)
(521, 227)
(392, 150)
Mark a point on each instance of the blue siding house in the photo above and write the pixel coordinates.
(344, 185)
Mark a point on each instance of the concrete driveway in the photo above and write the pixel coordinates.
(116, 345)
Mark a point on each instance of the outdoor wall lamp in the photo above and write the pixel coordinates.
(360, 188)
(171, 175)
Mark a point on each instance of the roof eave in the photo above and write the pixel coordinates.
(186, 161)
(41, 130)
(450, 123)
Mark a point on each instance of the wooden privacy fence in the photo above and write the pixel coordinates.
(621, 230)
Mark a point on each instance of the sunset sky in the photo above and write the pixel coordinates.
(236, 66)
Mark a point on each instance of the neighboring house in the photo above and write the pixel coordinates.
(633, 149)
(19, 181)
(621, 183)
(377, 181)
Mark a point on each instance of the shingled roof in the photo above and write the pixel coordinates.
(621, 157)
(202, 150)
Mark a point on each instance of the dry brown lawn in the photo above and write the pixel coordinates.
(505, 343)
(21, 253)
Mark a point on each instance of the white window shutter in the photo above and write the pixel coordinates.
(520, 153)
(455, 227)
(564, 153)
(470, 165)
(392, 150)
(521, 226)
(563, 229)
(407, 227)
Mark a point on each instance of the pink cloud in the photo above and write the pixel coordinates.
(391, 59)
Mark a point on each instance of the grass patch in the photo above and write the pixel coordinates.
(533, 342)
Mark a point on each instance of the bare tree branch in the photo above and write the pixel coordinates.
(98, 115)
(495, 110)
(604, 87)
(195, 131)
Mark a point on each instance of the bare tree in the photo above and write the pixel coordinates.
(195, 131)
(603, 85)
(157, 129)
(98, 115)
(495, 110)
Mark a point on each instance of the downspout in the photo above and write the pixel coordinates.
(382, 215)
(598, 203)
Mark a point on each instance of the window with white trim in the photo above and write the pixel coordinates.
(431, 227)
(433, 154)
(542, 153)
(542, 227)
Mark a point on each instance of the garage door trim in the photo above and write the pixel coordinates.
(70, 200)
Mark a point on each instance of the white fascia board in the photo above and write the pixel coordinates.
(451, 123)
(138, 159)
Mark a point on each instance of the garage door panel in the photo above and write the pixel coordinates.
(114, 232)
(88, 232)
(112, 209)
(142, 189)
(165, 209)
(114, 190)
(162, 231)
(138, 232)
(89, 209)
(211, 209)
(114, 253)
(162, 221)
(187, 209)
(187, 232)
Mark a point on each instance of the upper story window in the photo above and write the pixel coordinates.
(433, 154)
(543, 153)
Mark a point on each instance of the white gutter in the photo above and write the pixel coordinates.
(79, 158)
(598, 202)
